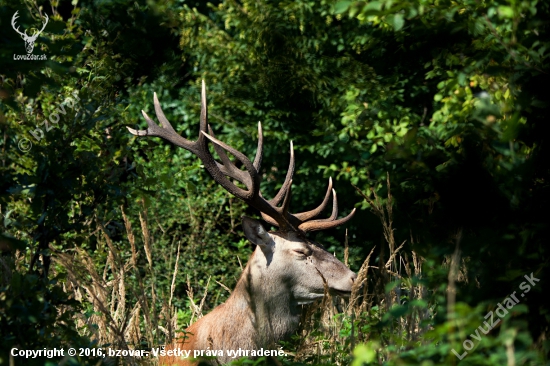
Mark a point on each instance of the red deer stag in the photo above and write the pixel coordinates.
(285, 271)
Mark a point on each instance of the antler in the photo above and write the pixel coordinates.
(269, 209)
(24, 34)
(43, 26)
(13, 19)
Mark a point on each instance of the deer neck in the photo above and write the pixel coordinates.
(267, 302)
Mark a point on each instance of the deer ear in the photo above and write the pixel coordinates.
(256, 233)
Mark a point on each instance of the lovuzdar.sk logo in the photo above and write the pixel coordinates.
(29, 40)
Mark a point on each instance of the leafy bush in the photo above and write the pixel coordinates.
(447, 100)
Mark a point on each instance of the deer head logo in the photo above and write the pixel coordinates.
(29, 40)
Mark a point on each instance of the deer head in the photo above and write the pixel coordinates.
(29, 40)
(298, 266)
(286, 269)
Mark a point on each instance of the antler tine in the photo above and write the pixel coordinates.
(288, 179)
(334, 213)
(44, 25)
(13, 19)
(286, 200)
(160, 115)
(322, 225)
(152, 130)
(290, 221)
(269, 219)
(253, 180)
(304, 216)
(166, 133)
(204, 108)
(259, 151)
(228, 168)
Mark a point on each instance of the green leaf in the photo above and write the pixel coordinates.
(398, 311)
(341, 7)
(190, 187)
(397, 21)
(373, 7)
(505, 12)
(364, 353)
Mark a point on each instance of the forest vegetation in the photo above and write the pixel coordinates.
(431, 117)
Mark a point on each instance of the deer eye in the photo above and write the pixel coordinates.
(301, 252)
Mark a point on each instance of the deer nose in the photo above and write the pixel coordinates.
(353, 277)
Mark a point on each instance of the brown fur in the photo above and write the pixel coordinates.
(284, 272)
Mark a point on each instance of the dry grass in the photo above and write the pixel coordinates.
(124, 315)
(131, 315)
(322, 338)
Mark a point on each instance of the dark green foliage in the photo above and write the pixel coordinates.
(37, 314)
(448, 98)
